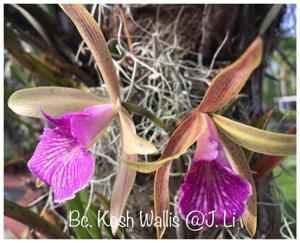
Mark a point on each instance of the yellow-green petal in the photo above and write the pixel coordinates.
(52, 100)
(254, 139)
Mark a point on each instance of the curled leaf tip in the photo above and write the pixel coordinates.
(132, 144)
(149, 167)
(38, 183)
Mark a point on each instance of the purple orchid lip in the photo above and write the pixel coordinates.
(61, 159)
(211, 185)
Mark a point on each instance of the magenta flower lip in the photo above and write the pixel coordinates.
(211, 185)
(61, 159)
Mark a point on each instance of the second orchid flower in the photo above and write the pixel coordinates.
(219, 178)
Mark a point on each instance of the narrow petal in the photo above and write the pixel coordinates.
(121, 190)
(210, 187)
(93, 37)
(61, 163)
(132, 144)
(254, 139)
(229, 82)
(86, 127)
(52, 100)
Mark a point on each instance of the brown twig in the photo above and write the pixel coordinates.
(126, 29)
(286, 59)
(16, 160)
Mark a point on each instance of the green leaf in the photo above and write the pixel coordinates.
(95, 211)
(76, 204)
(40, 65)
(11, 37)
(80, 203)
(35, 24)
(52, 100)
(143, 112)
(91, 214)
(254, 139)
(32, 220)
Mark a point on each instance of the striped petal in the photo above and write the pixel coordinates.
(61, 159)
(213, 191)
(229, 82)
(61, 163)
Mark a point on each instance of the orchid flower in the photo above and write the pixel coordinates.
(219, 179)
(61, 159)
